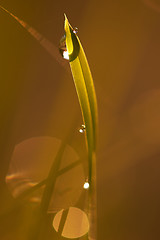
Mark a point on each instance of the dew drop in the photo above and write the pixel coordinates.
(86, 185)
(65, 55)
(75, 30)
(82, 128)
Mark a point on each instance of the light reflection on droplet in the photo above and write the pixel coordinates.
(82, 128)
(65, 55)
(75, 30)
(86, 185)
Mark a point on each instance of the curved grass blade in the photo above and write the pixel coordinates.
(88, 103)
(84, 85)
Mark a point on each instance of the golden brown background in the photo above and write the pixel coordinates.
(37, 97)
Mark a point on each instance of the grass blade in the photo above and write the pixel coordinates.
(84, 85)
(88, 103)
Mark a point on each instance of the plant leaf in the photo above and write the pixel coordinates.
(88, 103)
(84, 86)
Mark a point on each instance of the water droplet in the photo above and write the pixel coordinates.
(65, 55)
(75, 30)
(86, 185)
(63, 48)
(82, 128)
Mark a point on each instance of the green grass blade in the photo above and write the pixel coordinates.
(91, 92)
(84, 85)
(88, 103)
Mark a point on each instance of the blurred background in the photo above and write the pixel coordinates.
(38, 98)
